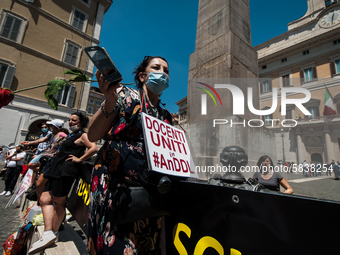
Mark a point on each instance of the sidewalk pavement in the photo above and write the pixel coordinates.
(317, 187)
(10, 218)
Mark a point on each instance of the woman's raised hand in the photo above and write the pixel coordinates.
(109, 91)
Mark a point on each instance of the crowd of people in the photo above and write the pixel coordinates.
(56, 163)
(59, 153)
(317, 169)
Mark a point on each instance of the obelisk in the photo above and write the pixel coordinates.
(223, 54)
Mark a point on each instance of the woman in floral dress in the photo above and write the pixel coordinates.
(122, 157)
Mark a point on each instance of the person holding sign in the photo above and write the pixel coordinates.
(122, 157)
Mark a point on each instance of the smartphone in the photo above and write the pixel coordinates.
(103, 62)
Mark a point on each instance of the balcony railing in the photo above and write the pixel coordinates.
(327, 118)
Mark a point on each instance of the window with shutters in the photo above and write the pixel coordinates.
(67, 95)
(267, 119)
(12, 26)
(289, 114)
(285, 80)
(335, 67)
(308, 74)
(6, 74)
(78, 19)
(266, 86)
(314, 110)
(337, 102)
(71, 53)
(313, 106)
(90, 110)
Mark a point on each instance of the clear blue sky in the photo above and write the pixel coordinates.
(133, 29)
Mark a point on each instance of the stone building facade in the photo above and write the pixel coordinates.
(96, 97)
(306, 56)
(39, 40)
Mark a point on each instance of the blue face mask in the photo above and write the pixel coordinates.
(157, 82)
(44, 130)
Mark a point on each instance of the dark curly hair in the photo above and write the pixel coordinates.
(141, 68)
(82, 118)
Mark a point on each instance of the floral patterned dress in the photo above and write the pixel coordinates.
(120, 158)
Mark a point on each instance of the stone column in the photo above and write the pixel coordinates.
(300, 147)
(329, 148)
(223, 51)
(224, 55)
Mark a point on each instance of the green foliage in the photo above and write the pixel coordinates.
(78, 77)
(73, 71)
(52, 102)
(53, 87)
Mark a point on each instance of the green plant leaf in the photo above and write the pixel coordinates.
(52, 102)
(54, 86)
(79, 78)
(73, 71)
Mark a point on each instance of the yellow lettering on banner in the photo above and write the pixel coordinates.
(206, 242)
(180, 227)
(85, 193)
(234, 252)
(87, 200)
(80, 191)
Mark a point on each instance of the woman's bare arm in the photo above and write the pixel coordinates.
(101, 123)
(285, 184)
(91, 149)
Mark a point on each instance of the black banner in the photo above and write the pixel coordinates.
(78, 202)
(207, 219)
(79, 197)
(223, 220)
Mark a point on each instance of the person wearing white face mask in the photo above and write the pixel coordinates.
(122, 156)
(43, 144)
(62, 172)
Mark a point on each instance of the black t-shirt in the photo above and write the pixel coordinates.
(59, 167)
(272, 183)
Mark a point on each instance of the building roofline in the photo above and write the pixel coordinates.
(182, 100)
